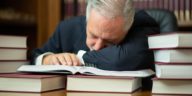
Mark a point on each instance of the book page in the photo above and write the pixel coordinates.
(49, 69)
(96, 71)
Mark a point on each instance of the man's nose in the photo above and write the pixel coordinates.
(99, 44)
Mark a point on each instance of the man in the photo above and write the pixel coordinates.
(113, 37)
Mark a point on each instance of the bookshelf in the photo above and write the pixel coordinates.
(181, 8)
(38, 18)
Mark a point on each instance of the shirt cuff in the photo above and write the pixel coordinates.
(80, 56)
(39, 59)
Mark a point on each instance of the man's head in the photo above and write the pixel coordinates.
(108, 22)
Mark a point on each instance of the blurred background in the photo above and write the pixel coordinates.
(37, 19)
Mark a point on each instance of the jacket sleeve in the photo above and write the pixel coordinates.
(52, 45)
(132, 54)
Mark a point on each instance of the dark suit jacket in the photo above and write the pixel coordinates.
(131, 54)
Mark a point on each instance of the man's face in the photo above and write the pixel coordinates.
(103, 32)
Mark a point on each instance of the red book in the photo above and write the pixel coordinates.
(69, 8)
(19, 82)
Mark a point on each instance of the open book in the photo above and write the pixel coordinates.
(82, 70)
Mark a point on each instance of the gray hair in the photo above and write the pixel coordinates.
(113, 8)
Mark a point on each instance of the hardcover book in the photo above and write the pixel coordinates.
(173, 55)
(171, 40)
(172, 87)
(104, 84)
(18, 82)
(11, 66)
(13, 54)
(170, 70)
(8, 41)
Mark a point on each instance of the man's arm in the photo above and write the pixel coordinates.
(61, 43)
(132, 54)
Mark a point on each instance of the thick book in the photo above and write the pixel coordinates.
(13, 41)
(170, 70)
(173, 55)
(172, 87)
(77, 93)
(18, 82)
(170, 40)
(60, 92)
(13, 54)
(111, 84)
(11, 66)
(82, 70)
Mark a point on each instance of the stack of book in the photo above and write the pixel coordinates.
(93, 81)
(13, 51)
(173, 62)
(22, 84)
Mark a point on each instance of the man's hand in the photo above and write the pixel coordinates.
(69, 59)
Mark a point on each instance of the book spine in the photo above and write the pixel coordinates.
(145, 4)
(166, 4)
(136, 4)
(160, 4)
(176, 8)
(181, 10)
(81, 7)
(171, 5)
(187, 10)
(69, 8)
